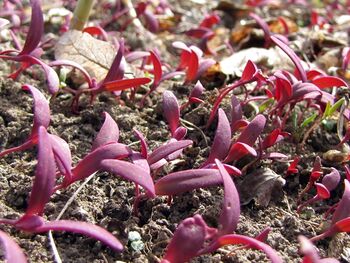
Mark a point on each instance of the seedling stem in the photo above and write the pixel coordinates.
(81, 14)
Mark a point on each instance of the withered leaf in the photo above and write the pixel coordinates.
(96, 56)
(260, 185)
(272, 58)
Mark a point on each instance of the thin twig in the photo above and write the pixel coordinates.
(56, 255)
(184, 122)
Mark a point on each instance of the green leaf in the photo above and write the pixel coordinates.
(327, 110)
(263, 106)
(308, 120)
(336, 106)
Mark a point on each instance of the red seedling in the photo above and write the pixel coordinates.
(204, 32)
(243, 145)
(191, 58)
(41, 118)
(237, 121)
(222, 140)
(28, 56)
(45, 176)
(113, 82)
(159, 77)
(167, 152)
(171, 112)
(320, 81)
(292, 168)
(249, 74)
(13, 253)
(310, 252)
(329, 182)
(194, 96)
(341, 216)
(193, 237)
(150, 19)
(108, 133)
(316, 173)
(97, 31)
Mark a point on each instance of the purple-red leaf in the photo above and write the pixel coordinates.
(249, 72)
(83, 228)
(188, 239)
(199, 32)
(144, 146)
(292, 168)
(45, 175)
(180, 133)
(131, 172)
(197, 90)
(91, 162)
(283, 89)
(193, 65)
(157, 68)
(331, 180)
(274, 155)
(171, 110)
(62, 155)
(249, 241)
(116, 71)
(13, 253)
(108, 133)
(239, 150)
(264, 26)
(253, 130)
(322, 191)
(53, 81)
(325, 82)
(236, 112)
(187, 180)
(310, 252)
(346, 58)
(41, 109)
(96, 30)
(210, 20)
(343, 225)
(185, 54)
(343, 209)
(271, 139)
(291, 54)
(222, 139)
(36, 28)
(231, 206)
(166, 149)
(152, 21)
(135, 55)
(123, 84)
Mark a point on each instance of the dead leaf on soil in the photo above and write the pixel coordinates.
(96, 56)
(330, 59)
(272, 58)
(259, 185)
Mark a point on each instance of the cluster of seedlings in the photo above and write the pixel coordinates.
(280, 92)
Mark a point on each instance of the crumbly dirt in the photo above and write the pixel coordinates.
(108, 201)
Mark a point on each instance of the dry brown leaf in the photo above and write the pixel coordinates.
(96, 56)
(277, 27)
(259, 185)
(272, 58)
